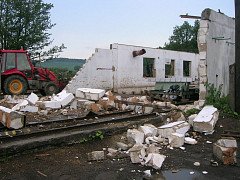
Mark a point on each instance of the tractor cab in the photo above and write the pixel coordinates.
(18, 74)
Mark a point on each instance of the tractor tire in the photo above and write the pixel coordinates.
(49, 89)
(15, 85)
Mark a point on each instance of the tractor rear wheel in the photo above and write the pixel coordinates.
(49, 89)
(15, 85)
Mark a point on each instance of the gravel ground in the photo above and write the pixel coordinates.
(70, 162)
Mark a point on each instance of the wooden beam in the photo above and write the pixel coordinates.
(190, 17)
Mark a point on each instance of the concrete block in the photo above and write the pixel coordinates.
(226, 150)
(189, 140)
(206, 119)
(134, 136)
(112, 152)
(32, 98)
(152, 149)
(191, 118)
(11, 119)
(96, 156)
(52, 104)
(148, 130)
(148, 110)
(20, 105)
(90, 94)
(179, 127)
(176, 139)
(64, 98)
(29, 108)
(122, 146)
(155, 160)
(137, 153)
(74, 104)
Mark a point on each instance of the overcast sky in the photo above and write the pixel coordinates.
(83, 25)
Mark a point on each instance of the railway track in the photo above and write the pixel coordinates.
(68, 131)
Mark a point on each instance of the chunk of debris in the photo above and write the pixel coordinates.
(155, 160)
(122, 146)
(64, 98)
(96, 156)
(51, 104)
(147, 173)
(226, 150)
(148, 130)
(134, 136)
(32, 98)
(29, 108)
(206, 119)
(191, 118)
(90, 94)
(112, 152)
(138, 109)
(148, 110)
(152, 149)
(137, 153)
(20, 105)
(176, 140)
(196, 164)
(11, 119)
(150, 140)
(189, 140)
(179, 127)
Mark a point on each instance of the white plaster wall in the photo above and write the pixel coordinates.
(130, 69)
(97, 72)
(117, 69)
(220, 54)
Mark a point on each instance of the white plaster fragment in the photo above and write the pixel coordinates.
(148, 130)
(32, 98)
(10, 118)
(64, 98)
(135, 136)
(189, 140)
(90, 94)
(206, 119)
(155, 160)
(179, 127)
(176, 140)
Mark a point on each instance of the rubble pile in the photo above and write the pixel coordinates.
(85, 99)
(145, 143)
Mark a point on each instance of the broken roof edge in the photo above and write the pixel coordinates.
(210, 14)
(115, 45)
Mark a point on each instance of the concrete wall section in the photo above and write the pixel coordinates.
(97, 72)
(216, 40)
(130, 69)
(117, 69)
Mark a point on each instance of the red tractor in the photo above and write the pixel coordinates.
(18, 74)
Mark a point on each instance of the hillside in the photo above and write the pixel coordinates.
(63, 63)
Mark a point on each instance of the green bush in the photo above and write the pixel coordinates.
(218, 100)
(192, 111)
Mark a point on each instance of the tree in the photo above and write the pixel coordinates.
(26, 24)
(184, 38)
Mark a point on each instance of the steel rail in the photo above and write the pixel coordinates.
(77, 127)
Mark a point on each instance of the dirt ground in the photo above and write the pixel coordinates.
(70, 162)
